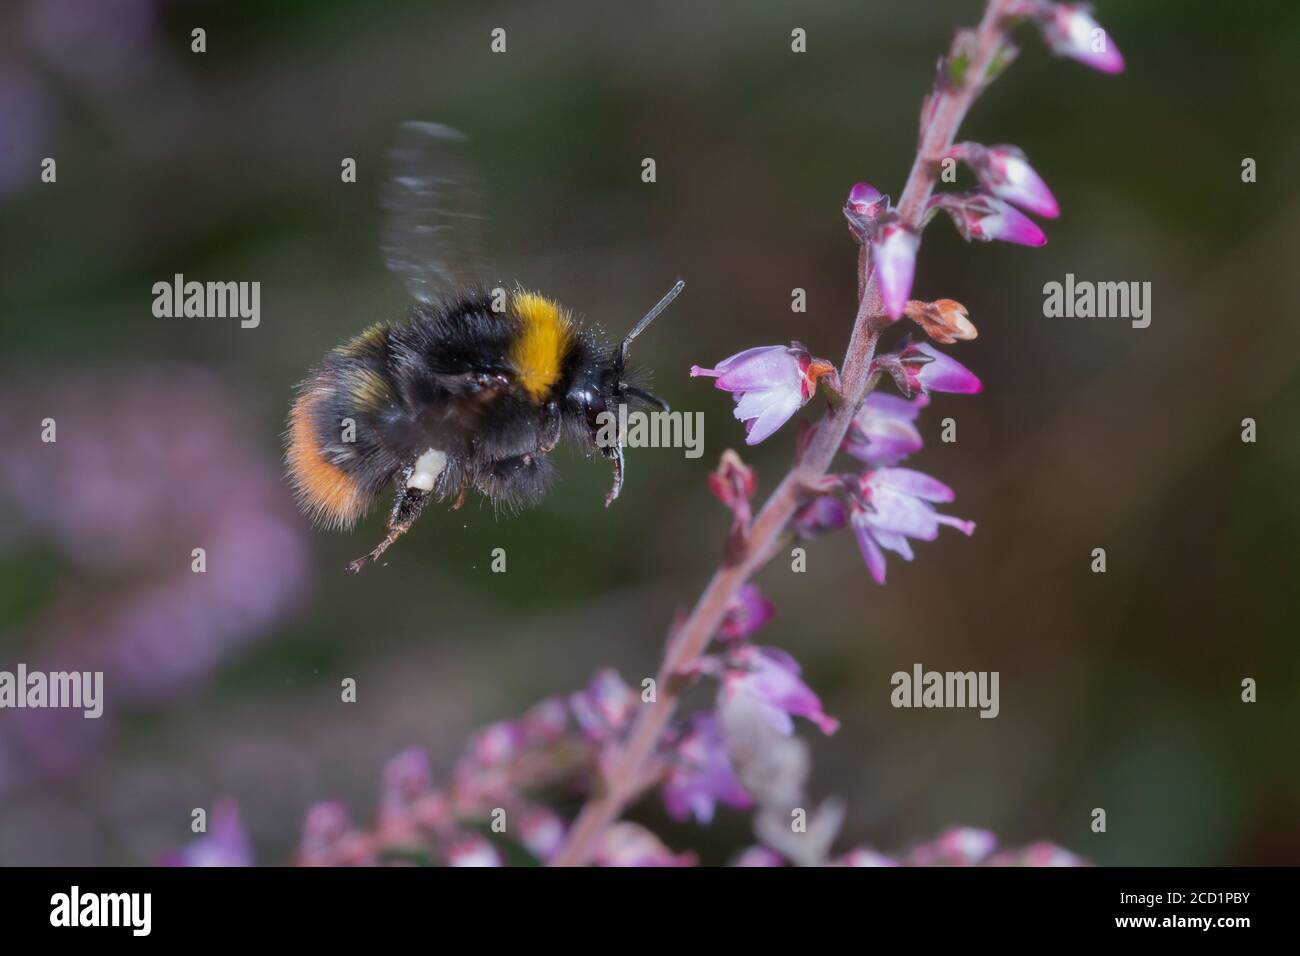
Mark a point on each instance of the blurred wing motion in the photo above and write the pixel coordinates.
(432, 206)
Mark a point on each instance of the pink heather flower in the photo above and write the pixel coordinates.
(546, 721)
(898, 507)
(1004, 171)
(473, 850)
(758, 856)
(818, 516)
(604, 707)
(225, 843)
(1070, 31)
(771, 678)
(630, 844)
(497, 743)
(407, 777)
(748, 612)
(541, 832)
(893, 256)
(883, 431)
(864, 857)
(329, 839)
(770, 383)
(977, 215)
(701, 774)
(1036, 854)
(961, 846)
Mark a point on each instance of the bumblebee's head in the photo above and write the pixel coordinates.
(603, 385)
(598, 390)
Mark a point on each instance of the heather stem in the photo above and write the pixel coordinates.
(625, 770)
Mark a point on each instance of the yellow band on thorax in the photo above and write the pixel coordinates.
(545, 336)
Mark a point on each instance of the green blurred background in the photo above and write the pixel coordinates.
(1119, 690)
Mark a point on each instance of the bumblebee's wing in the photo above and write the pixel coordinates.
(432, 204)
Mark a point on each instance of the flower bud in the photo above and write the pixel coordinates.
(893, 254)
(1070, 31)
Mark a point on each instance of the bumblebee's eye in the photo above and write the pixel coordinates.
(588, 398)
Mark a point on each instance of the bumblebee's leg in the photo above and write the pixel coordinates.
(408, 504)
(516, 481)
(614, 453)
(552, 427)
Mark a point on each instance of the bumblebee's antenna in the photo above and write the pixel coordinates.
(650, 317)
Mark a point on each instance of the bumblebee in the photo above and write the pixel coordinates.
(472, 391)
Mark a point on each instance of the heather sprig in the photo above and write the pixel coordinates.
(886, 506)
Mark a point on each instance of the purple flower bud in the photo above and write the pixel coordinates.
(883, 431)
(1070, 31)
(733, 483)
(771, 678)
(865, 206)
(897, 505)
(864, 198)
(893, 255)
(939, 374)
(747, 613)
(701, 774)
(769, 383)
(978, 215)
(1004, 171)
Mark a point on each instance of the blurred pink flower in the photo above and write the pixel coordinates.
(748, 612)
(473, 850)
(818, 516)
(1071, 31)
(604, 707)
(700, 775)
(629, 844)
(225, 844)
